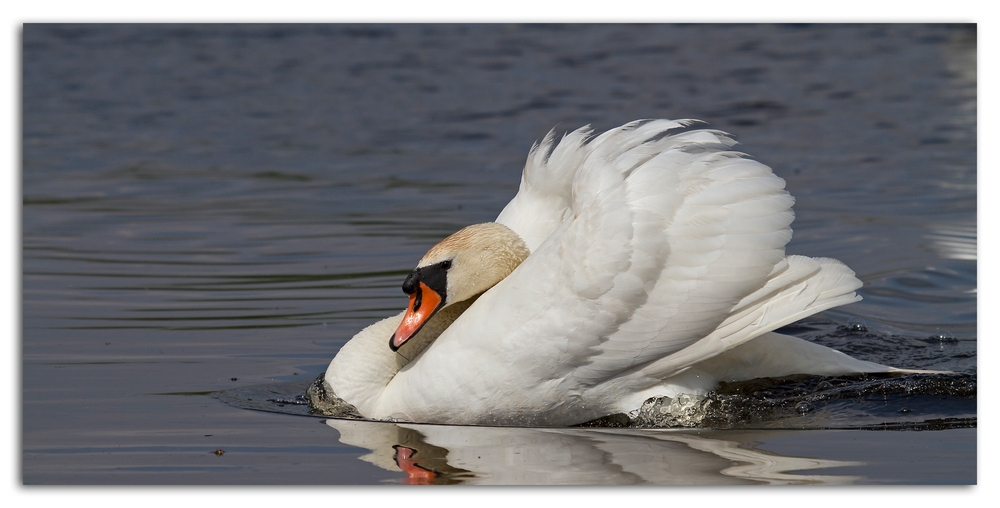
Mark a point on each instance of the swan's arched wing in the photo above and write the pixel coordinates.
(667, 231)
(544, 199)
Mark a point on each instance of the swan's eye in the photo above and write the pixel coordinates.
(446, 264)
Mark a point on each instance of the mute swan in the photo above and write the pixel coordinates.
(646, 261)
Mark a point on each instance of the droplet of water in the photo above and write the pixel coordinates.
(857, 325)
(943, 337)
(803, 407)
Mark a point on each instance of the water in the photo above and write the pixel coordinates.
(215, 208)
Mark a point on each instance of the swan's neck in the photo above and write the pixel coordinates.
(431, 331)
(365, 365)
(479, 257)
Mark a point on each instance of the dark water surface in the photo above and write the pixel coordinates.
(212, 208)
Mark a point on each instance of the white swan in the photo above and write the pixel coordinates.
(647, 261)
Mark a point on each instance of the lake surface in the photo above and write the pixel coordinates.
(211, 211)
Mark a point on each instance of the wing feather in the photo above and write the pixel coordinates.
(654, 246)
(664, 232)
(799, 287)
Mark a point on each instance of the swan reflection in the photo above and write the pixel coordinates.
(441, 454)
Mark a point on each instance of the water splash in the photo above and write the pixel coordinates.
(914, 401)
(873, 401)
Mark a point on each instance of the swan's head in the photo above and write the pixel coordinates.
(460, 267)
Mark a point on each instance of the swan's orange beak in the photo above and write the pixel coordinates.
(424, 302)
